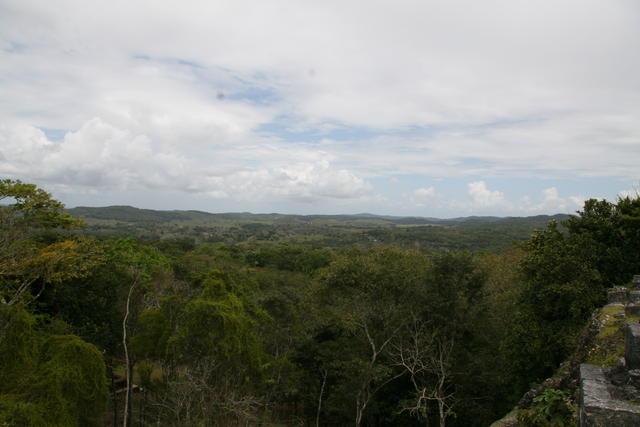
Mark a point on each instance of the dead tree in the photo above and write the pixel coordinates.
(426, 358)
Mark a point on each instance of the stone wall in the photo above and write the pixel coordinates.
(610, 396)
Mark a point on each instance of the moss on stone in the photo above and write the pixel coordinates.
(608, 346)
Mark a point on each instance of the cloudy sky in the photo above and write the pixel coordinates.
(428, 107)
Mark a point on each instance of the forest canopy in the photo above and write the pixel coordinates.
(97, 329)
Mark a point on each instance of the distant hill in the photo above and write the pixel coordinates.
(135, 215)
(125, 214)
(474, 233)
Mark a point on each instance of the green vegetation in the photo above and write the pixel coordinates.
(565, 275)
(322, 231)
(48, 377)
(241, 319)
(608, 346)
(552, 408)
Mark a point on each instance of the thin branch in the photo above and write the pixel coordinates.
(127, 401)
(324, 381)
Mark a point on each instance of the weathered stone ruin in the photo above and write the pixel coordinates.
(610, 396)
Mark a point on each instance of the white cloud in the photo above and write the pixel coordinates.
(633, 193)
(20, 146)
(100, 155)
(483, 197)
(421, 196)
(425, 192)
(550, 201)
(426, 88)
(563, 146)
(550, 195)
(486, 201)
(577, 201)
(416, 63)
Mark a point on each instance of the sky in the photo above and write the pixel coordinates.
(437, 108)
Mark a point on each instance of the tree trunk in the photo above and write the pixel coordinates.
(128, 366)
(324, 381)
(359, 412)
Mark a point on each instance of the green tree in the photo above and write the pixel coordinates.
(138, 262)
(566, 272)
(48, 380)
(209, 347)
(32, 207)
(373, 301)
(23, 259)
(372, 294)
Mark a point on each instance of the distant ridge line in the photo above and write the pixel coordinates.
(128, 213)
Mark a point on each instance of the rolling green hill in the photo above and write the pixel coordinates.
(365, 230)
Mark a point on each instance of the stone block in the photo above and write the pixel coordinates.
(634, 377)
(598, 407)
(636, 281)
(617, 295)
(634, 297)
(632, 345)
(632, 310)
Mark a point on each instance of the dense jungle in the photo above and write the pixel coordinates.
(127, 317)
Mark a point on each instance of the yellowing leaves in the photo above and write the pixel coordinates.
(68, 259)
(24, 258)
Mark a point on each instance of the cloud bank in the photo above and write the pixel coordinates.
(319, 102)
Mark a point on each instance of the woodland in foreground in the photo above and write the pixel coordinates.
(97, 329)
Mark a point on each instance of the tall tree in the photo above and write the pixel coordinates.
(205, 337)
(138, 261)
(372, 294)
(24, 259)
(566, 271)
(47, 378)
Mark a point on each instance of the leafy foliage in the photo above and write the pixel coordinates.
(565, 274)
(269, 232)
(32, 207)
(23, 259)
(552, 408)
(48, 380)
(240, 319)
(72, 381)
